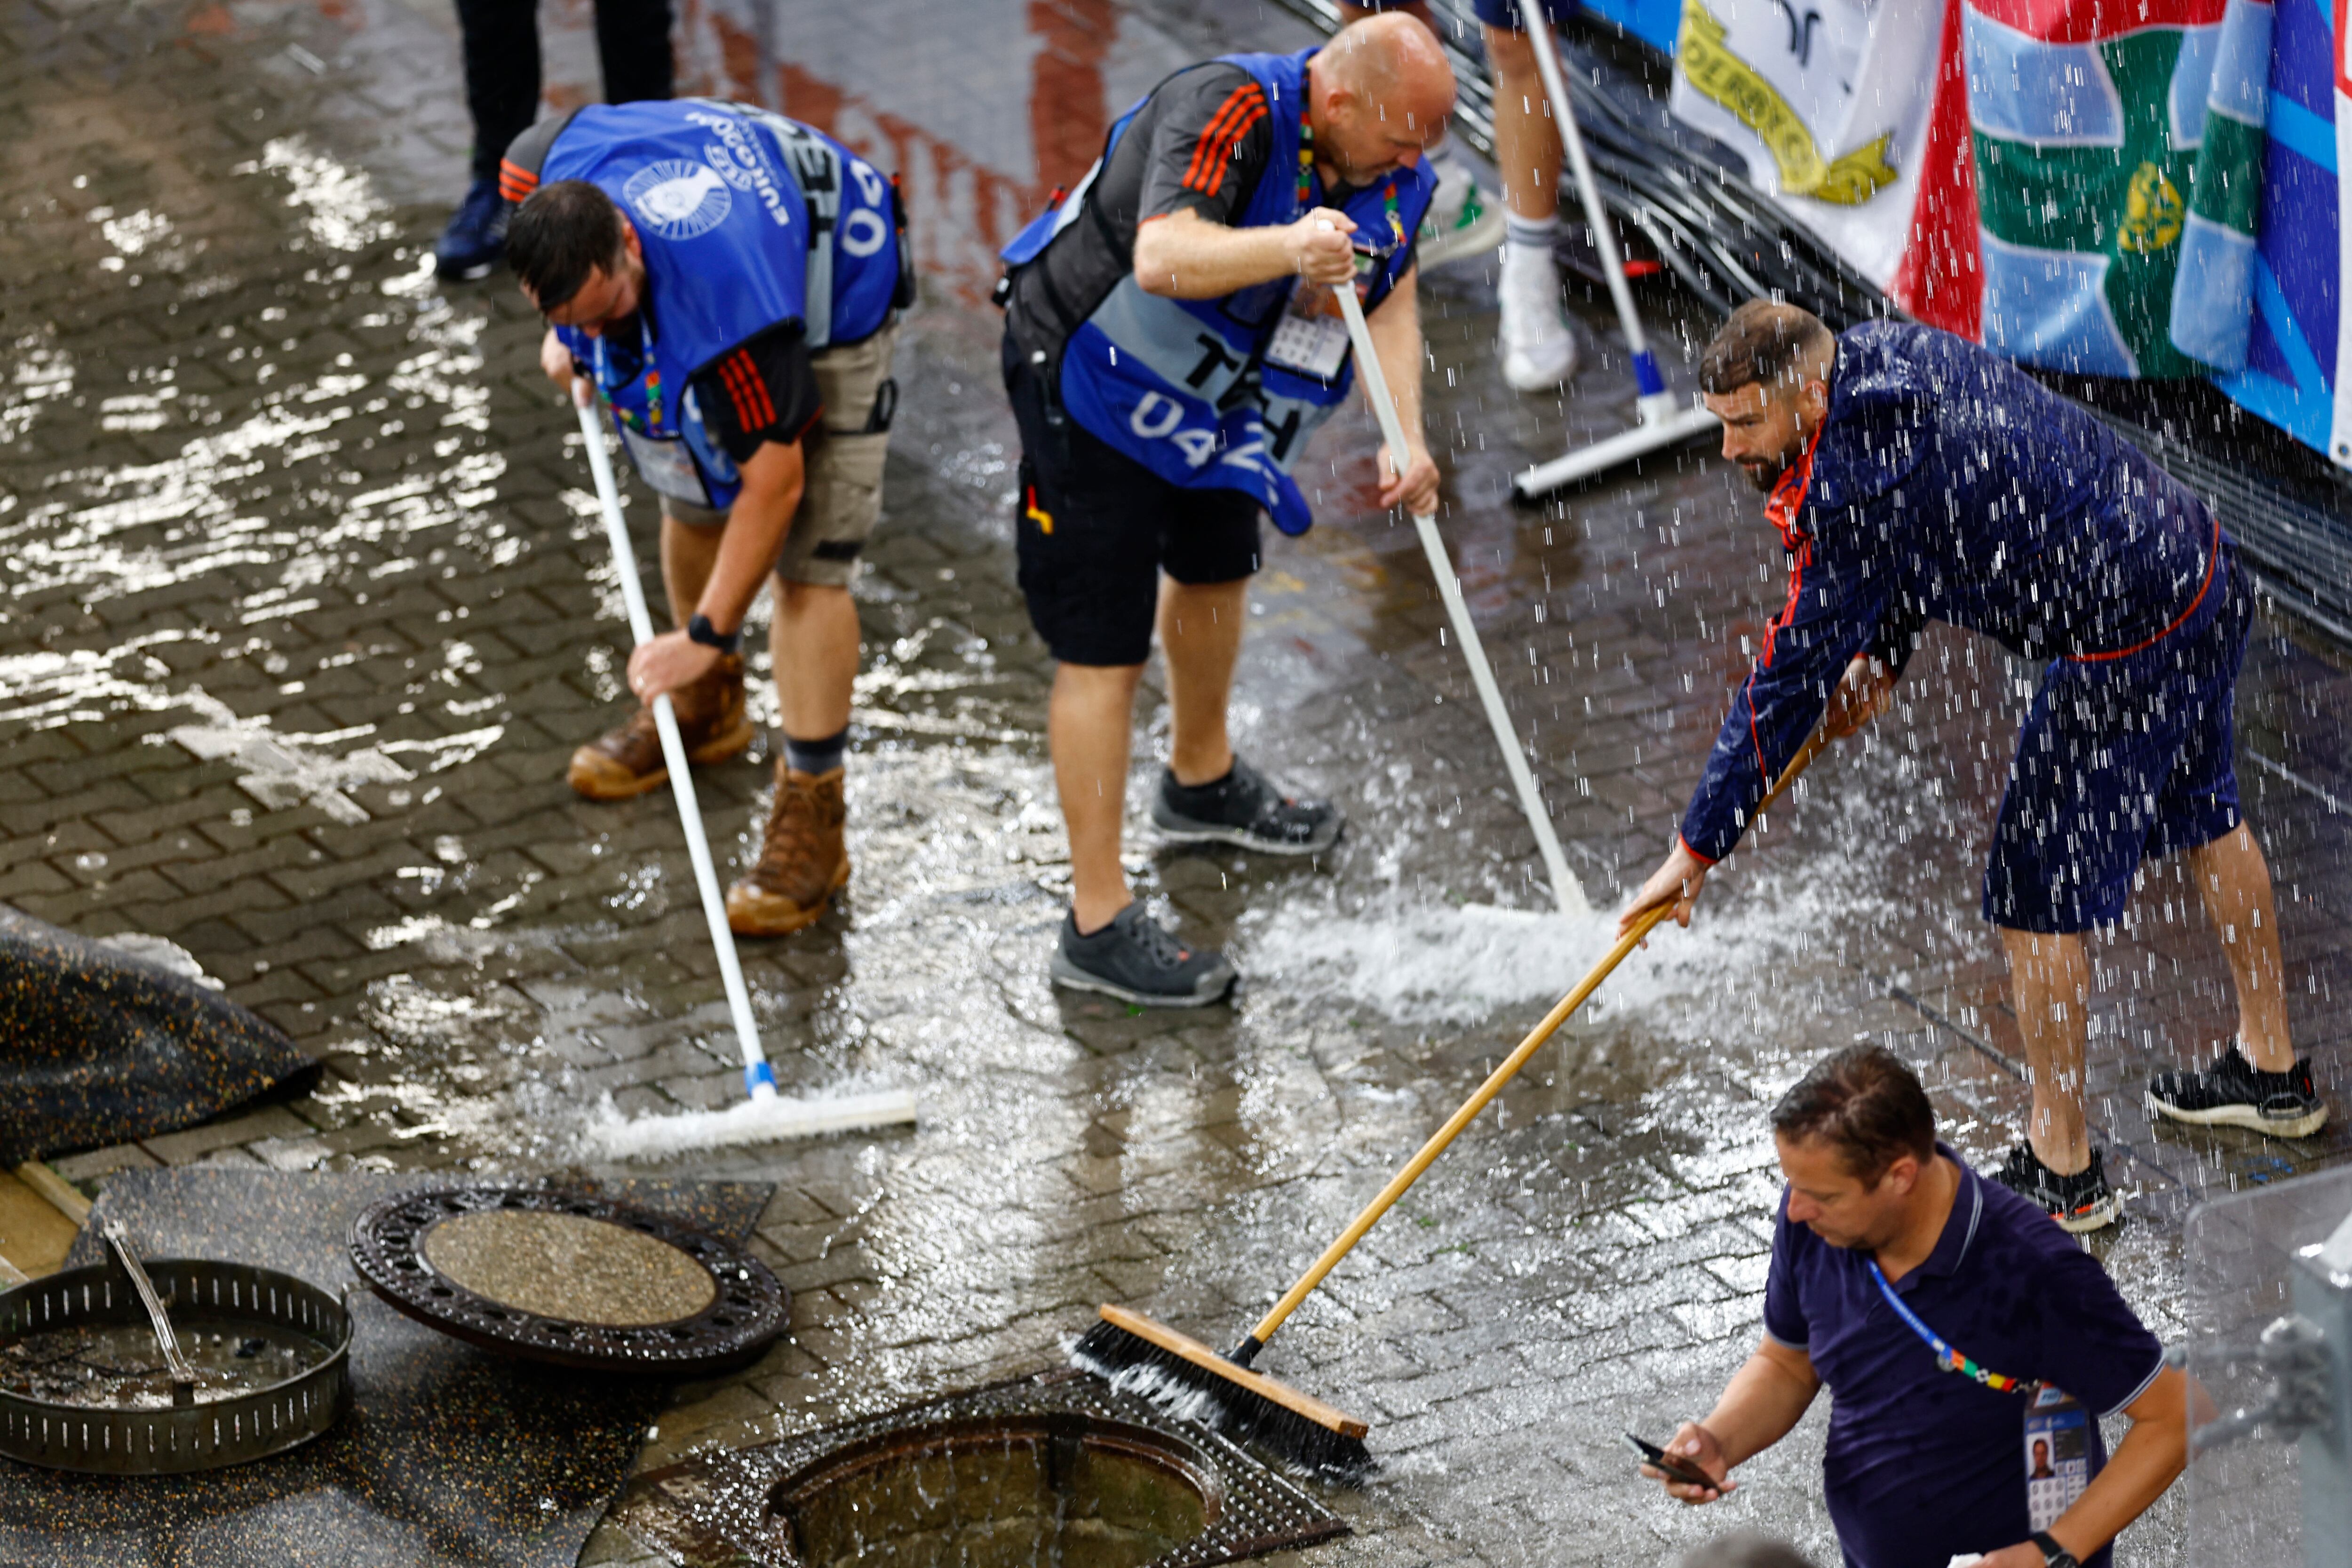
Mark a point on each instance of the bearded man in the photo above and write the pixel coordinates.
(1912, 476)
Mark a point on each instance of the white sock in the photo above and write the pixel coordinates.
(1529, 237)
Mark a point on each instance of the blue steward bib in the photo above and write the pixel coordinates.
(747, 221)
(1201, 391)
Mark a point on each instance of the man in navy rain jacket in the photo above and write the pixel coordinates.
(1914, 477)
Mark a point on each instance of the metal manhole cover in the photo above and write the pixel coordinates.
(566, 1278)
(1057, 1467)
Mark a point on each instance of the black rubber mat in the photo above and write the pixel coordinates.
(449, 1458)
(102, 1048)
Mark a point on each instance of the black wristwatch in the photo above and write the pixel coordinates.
(699, 629)
(2052, 1554)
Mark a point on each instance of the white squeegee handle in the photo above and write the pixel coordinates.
(758, 1077)
(1565, 888)
(1656, 402)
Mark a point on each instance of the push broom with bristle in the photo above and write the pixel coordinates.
(763, 1116)
(1664, 421)
(1176, 1371)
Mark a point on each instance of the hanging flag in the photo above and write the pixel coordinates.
(2340, 443)
(2213, 291)
(1852, 115)
(2300, 262)
(2088, 118)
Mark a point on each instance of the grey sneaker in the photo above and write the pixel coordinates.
(1136, 960)
(1244, 808)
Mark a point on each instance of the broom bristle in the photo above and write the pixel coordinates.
(1190, 1392)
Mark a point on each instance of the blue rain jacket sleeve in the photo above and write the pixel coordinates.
(1838, 512)
(1837, 607)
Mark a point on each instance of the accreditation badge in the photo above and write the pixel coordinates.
(2057, 1454)
(1310, 340)
(666, 465)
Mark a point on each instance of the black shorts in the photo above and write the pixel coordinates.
(1095, 529)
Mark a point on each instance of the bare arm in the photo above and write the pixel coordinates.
(1395, 328)
(773, 478)
(2149, 1458)
(1767, 1396)
(1183, 256)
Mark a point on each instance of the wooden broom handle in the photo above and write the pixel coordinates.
(1501, 1075)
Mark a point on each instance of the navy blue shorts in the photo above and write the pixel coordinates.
(1504, 14)
(2121, 760)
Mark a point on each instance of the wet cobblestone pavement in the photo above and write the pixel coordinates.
(308, 607)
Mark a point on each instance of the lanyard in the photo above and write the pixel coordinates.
(652, 373)
(1306, 194)
(1947, 1357)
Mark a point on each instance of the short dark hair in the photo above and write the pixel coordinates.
(564, 232)
(1865, 1103)
(1761, 340)
(1746, 1549)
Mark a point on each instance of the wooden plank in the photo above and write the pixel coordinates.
(35, 1236)
(62, 1195)
(1209, 1361)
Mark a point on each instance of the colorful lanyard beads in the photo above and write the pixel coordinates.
(1947, 1357)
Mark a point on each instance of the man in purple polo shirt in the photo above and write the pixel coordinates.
(1940, 1309)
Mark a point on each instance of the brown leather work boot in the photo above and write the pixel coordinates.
(803, 862)
(627, 761)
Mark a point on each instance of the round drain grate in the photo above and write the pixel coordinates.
(1011, 1493)
(565, 1277)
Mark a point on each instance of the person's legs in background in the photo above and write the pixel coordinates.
(1463, 220)
(500, 41)
(2050, 986)
(2062, 865)
(1538, 346)
(2234, 882)
(633, 50)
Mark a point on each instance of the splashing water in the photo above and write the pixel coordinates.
(1443, 964)
(1435, 963)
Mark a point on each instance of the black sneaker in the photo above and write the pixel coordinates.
(1244, 808)
(2233, 1092)
(2078, 1202)
(477, 235)
(1135, 959)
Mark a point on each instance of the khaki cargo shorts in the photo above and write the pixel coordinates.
(841, 497)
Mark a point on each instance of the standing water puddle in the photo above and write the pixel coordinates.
(1053, 1471)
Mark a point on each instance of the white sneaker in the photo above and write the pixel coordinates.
(1539, 345)
(1461, 221)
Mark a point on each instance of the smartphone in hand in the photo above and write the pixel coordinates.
(1679, 1470)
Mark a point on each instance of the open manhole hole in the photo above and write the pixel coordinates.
(1058, 1489)
(1054, 1471)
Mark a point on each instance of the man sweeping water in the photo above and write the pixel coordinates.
(1171, 344)
(1914, 478)
(728, 280)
